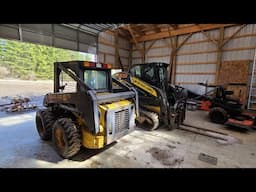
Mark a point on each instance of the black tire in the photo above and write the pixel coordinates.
(44, 122)
(218, 115)
(66, 138)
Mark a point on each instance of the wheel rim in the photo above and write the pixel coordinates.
(59, 138)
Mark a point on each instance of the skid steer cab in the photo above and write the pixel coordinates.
(84, 109)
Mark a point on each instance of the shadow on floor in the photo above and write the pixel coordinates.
(85, 154)
(238, 129)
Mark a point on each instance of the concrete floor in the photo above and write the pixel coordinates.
(20, 147)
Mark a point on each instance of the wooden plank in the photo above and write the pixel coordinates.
(197, 42)
(155, 47)
(153, 56)
(215, 51)
(244, 35)
(196, 52)
(204, 41)
(195, 73)
(189, 83)
(197, 63)
(207, 41)
(239, 48)
(201, 52)
(181, 31)
(237, 73)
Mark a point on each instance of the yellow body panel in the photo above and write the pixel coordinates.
(97, 141)
(118, 104)
(153, 108)
(93, 141)
(143, 86)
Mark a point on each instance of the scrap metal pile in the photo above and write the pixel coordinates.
(18, 104)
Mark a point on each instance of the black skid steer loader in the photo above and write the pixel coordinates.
(85, 110)
(160, 102)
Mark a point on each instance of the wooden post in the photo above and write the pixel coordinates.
(144, 54)
(174, 46)
(116, 48)
(219, 53)
(104, 57)
(130, 55)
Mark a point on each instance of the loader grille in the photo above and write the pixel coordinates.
(121, 120)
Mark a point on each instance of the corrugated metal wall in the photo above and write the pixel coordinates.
(194, 65)
(54, 35)
(196, 60)
(107, 50)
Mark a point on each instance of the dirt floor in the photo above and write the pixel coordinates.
(24, 88)
(21, 147)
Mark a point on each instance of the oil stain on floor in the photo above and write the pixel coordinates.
(166, 157)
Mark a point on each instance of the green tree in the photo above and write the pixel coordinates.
(33, 61)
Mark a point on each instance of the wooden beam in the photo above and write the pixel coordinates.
(197, 63)
(134, 38)
(132, 34)
(239, 48)
(170, 43)
(201, 41)
(209, 37)
(189, 83)
(234, 34)
(156, 29)
(184, 41)
(116, 48)
(149, 47)
(219, 54)
(180, 31)
(196, 52)
(154, 56)
(144, 55)
(112, 33)
(203, 52)
(136, 30)
(174, 26)
(196, 73)
(130, 55)
(173, 60)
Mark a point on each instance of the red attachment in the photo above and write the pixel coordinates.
(249, 114)
(92, 64)
(244, 122)
(104, 65)
(205, 105)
